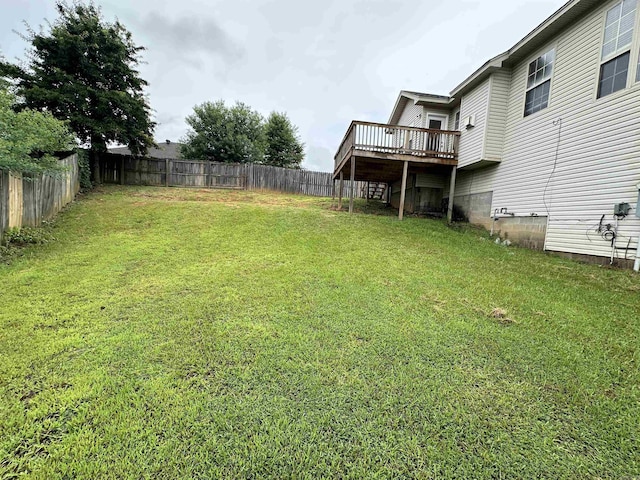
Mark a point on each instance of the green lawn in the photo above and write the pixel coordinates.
(192, 334)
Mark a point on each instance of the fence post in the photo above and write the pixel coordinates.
(166, 169)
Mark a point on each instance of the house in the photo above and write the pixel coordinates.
(541, 144)
(163, 150)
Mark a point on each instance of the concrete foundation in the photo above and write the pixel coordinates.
(529, 232)
(594, 260)
(477, 207)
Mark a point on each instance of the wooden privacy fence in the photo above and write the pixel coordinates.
(128, 170)
(28, 201)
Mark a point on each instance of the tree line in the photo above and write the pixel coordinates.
(80, 85)
(238, 134)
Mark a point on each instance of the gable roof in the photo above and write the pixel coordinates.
(417, 98)
(170, 150)
(570, 12)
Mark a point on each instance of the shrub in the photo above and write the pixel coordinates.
(84, 169)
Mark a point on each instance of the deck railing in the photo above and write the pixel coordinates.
(394, 139)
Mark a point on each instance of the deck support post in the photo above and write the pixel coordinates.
(352, 190)
(333, 193)
(413, 191)
(403, 190)
(452, 194)
(368, 190)
(341, 191)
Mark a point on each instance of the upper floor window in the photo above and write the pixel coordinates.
(539, 83)
(456, 122)
(618, 30)
(613, 75)
(616, 48)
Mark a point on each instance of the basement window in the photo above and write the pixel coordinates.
(539, 83)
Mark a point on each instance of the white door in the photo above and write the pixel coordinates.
(436, 141)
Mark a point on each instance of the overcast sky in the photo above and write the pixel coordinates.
(323, 62)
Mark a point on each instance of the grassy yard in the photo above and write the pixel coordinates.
(193, 334)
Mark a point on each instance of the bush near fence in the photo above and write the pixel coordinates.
(28, 201)
(129, 170)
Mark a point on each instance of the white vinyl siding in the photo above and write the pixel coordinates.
(599, 148)
(471, 182)
(476, 104)
(412, 115)
(427, 180)
(497, 120)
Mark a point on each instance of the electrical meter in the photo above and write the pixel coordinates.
(621, 209)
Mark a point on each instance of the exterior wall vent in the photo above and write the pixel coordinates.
(470, 122)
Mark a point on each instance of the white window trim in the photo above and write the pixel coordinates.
(438, 116)
(624, 50)
(633, 48)
(527, 89)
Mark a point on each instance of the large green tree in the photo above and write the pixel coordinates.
(84, 70)
(29, 139)
(224, 134)
(284, 148)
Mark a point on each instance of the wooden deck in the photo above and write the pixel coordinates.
(379, 151)
(376, 152)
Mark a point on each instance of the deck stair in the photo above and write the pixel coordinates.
(376, 191)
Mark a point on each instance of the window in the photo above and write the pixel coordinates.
(539, 83)
(618, 31)
(456, 122)
(613, 75)
(616, 48)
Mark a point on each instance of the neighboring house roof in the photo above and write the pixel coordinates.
(167, 149)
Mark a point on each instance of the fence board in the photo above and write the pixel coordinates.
(28, 201)
(203, 174)
(4, 203)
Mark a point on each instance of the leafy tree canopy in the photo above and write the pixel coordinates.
(240, 135)
(224, 134)
(284, 148)
(83, 70)
(29, 139)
